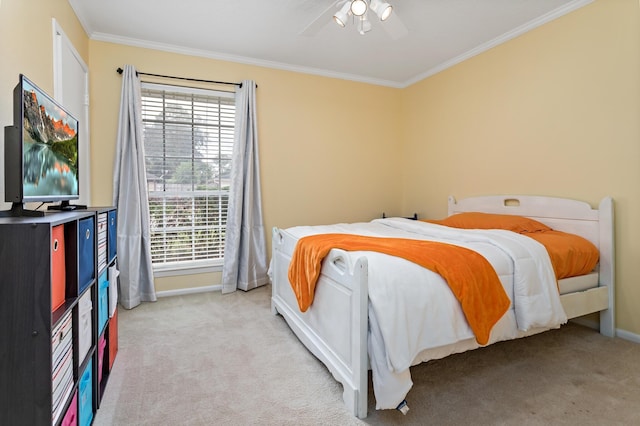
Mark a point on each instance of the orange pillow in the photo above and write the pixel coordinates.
(477, 220)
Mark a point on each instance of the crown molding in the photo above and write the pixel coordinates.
(171, 48)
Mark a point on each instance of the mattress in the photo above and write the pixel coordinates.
(580, 283)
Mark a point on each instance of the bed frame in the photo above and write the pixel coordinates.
(334, 328)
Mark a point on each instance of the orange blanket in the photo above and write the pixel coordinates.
(571, 255)
(470, 276)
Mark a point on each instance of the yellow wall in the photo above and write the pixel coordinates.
(26, 47)
(346, 158)
(554, 112)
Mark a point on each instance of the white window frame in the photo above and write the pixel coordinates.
(186, 266)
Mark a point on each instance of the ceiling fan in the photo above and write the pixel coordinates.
(359, 13)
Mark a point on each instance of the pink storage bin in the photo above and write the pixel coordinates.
(71, 416)
(102, 344)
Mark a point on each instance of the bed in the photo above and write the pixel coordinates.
(351, 328)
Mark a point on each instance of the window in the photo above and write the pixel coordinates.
(188, 139)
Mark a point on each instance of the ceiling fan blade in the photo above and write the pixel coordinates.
(394, 27)
(323, 19)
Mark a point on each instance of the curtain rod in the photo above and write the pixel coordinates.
(120, 71)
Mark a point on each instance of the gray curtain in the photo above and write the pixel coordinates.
(130, 197)
(245, 251)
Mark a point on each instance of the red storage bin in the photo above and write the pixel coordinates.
(58, 273)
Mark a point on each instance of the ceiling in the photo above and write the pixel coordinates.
(282, 34)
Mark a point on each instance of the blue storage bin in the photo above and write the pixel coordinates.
(103, 300)
(112, 226)
(85, 396)
(86, 253)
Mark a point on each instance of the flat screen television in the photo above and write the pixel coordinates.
(41, 152)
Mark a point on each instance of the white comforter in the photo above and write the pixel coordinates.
(414, 316)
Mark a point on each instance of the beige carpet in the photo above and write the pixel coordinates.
(209, 359)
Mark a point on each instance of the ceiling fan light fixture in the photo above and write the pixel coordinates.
(382, 9)
(359, 7)
(364, 25)
(386, 11)
(358, 11)
(342, 15)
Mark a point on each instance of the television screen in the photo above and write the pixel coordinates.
(49, 147)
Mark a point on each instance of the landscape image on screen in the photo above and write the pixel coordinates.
(50, 147)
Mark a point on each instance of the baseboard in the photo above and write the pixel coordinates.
(183, 291)
(627, 335)
(623, 334)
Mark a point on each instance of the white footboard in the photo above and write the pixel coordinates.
(334, 328)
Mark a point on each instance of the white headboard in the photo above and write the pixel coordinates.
(562, 214)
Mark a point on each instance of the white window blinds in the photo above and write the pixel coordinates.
(188, 138)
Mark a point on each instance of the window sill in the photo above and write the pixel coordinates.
(175, 270)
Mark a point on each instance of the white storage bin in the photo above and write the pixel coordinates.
(84, 330)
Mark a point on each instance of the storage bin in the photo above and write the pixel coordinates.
(113, 289)
(112, 226)
(86, 253)
(102, 344)
(58, 271)
(61, 342)
(102, 241)
(85, 396)
(71, 416)
(103, 301)
(85, 306)
(61, 364)
(113, 338)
